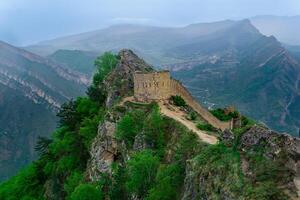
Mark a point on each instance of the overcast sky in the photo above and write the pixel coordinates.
(24, 22)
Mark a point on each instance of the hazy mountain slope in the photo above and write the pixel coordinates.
(295, 50)
(259, 77)
(151, 42)
(81, 61)
(21, 122)
(31, 90)
(285, 29)
(226, 57)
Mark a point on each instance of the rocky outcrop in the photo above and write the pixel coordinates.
(199, 186)
(140, 142)
(120, 82)
(103, 151)
(282, 150)
(276, 145)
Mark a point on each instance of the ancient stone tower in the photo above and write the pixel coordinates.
(152, 86)
(157, 86)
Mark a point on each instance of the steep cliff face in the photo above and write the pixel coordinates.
(280, 148)
(103, 151)
(120, 82)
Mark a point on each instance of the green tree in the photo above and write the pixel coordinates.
(105, 64)
(129, 126)
(168, 182)
(153, 128)
(72, 182)
(42, 145)
(141, 172)
(87, 192)
(178, 100)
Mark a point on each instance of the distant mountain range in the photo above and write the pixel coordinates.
(259, 76)
(152, 42)
(226, 62)
(295, 50)
(76, 60)
(31, 90)
(285, 28)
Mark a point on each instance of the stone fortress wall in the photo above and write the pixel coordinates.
(160, 86)
(152, 86)
(178, 89)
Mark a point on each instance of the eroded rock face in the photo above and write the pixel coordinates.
(140, 142)
(120, 82)
(103, 151)
(276, 147)
(227, 137)
(197, 186)
(274, 143)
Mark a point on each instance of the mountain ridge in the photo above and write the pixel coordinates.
(285, 28)
(228, 47)
(32, 89)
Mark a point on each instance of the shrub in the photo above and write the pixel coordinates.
(168, 182)
(72, 182)
(87, 192)
(96, 93)
(192, 116)
(26, 185)
(105, 64)
(224, 164)
(205, 127)
(153, 128)
(265, 191)
(68, 115)
(220, 114)
(117, 190)
(129, 126)
(141, 171)
(178, 101)
(89, 127)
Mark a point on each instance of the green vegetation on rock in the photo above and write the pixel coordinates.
(205, 127)
(220, 114)
(178, 101)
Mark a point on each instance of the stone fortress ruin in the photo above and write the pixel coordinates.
(159, 86)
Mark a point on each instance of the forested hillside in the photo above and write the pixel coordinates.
(32, 89)
(106, 150)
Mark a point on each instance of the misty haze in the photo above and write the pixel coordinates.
(149, 99)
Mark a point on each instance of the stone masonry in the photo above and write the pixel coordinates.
(159, 86)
